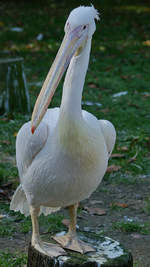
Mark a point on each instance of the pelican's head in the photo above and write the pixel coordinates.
(79, 26)
(83, 16)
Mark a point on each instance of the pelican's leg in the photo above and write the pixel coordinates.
(35, 241)
(43, 247)
(70, 240)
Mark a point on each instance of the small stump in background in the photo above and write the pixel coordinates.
(14, 95)
(109, 253)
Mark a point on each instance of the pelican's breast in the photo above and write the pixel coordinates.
(82, 143)
(72, 170)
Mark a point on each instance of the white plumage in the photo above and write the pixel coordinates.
(66, 158)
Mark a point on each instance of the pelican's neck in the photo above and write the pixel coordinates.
(74, 82)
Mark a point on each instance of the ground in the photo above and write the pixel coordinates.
(117, 88)
(126, 213)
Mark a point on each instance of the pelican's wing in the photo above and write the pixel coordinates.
(107, 129)
(109, 134)
(51, 117)
(28, 145)
(90, 119)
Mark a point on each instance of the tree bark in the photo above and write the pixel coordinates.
(37, 259)
(14, 96)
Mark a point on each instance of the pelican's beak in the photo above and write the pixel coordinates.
(71, 42)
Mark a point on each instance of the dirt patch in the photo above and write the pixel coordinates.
(134, 208)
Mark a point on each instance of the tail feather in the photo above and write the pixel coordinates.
(19, 203)
(47, 210)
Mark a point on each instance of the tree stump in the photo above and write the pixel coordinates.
(109, 253)
(14, 96)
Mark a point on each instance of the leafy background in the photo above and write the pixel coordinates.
(119, 63)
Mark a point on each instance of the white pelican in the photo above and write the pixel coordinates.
(66, 158)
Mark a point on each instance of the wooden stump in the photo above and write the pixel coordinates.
(14, 94)
(109, 253)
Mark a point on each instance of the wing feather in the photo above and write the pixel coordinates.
(28, 145)
(106, 127)
(109, 134)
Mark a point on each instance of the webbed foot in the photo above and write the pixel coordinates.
(49, 249)
(73, 243)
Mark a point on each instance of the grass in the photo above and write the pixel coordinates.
(131, 227)
(12, 260)
(119, 62)
(147, 206)
(14, 222)
(136, 264)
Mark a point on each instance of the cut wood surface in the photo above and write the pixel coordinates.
(109, 253)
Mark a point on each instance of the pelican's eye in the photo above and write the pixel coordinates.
(67, 26)
(84, 27)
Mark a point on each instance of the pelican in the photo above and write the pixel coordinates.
(62, 153)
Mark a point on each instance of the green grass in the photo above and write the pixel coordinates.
(147, 206)
(131, 227)
(136, 264)
(119, 62)
(12, 260)
(14, 222)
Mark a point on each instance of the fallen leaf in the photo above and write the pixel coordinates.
(121, 205)
(123, 148)
(117, 155)
(1, 24)
(2, 216)
(14, 47)
(4, 119)
(136, 236)
(147, 95)
(105, 110)
(133, 158)
(146, 43)
(30, 46)
(93, 85)
(95, 211)
(102, 48)
(15, 134)
(125, 77)
(113, 168)
(6, 142)
(66, 222)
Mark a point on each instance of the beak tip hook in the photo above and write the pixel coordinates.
(32, 129)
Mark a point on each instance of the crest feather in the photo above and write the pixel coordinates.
(84, 13)
(95, 13)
